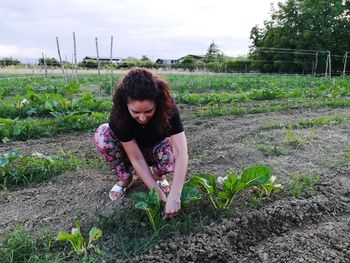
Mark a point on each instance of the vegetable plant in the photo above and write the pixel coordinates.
(80, 245)
(222, 190)
(151, 204)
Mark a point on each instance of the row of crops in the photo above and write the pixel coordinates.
(34, 107)
(40, 107)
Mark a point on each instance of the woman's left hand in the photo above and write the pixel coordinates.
(172, 207)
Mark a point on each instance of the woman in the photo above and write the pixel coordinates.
(145, 132)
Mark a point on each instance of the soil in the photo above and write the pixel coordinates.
(283, 229)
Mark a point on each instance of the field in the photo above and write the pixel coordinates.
(297, 126)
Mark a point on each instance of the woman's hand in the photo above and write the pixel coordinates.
(172, 207)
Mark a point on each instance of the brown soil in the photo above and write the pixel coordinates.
(286, 229)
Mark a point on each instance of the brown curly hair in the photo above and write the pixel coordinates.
(140, 84)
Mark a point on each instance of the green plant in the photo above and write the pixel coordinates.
(293, 139)
(16, 169)
(301, 185)
(80, 245)
(271, 187)
(20, 246)
(153, 207)
(222, 190)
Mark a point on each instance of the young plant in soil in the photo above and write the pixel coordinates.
(221, 191)
(153, 207)
(80, 245)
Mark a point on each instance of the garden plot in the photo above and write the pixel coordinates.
(313, 227)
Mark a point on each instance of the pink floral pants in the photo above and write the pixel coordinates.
(160, 157)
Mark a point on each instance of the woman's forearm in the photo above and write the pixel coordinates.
(181, 163)
(143, 171)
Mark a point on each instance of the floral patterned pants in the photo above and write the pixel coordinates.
(160, 157)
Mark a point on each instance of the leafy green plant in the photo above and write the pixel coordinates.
(150, 203)
(222, 190)
(269, 188)
(301, 185)
(18, 245)
(16, 169)
(81, 246)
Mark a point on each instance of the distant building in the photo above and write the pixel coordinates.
(103, 60)
(166, 62)
(196, 57)
(169, 62)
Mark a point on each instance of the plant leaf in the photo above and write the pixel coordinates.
(153, 197)
(199, 181)
(139, 197)
(94, 234)
(189, 194)
(256, 175)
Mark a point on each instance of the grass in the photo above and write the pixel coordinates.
(29, 170)
(128, 231)
(20, 246)
(301, 185)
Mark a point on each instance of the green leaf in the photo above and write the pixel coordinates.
(142, 206)
(94, 234)
(139, 197)
(199, 181)
(256, 175)
(3, 161)
(189, 194)
(153, 198)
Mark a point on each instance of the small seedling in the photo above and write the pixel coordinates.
(301, 185)
(153, 207)
(81, 246)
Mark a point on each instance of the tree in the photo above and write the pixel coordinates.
(297, 29)
(213, 53)
(9, 61)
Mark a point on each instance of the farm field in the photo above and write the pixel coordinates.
(297, 126)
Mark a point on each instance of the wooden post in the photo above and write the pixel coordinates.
(45, 65)
(330, 64)
(98, 64)
(345, 60)
(75, 58)
(59, 55)
(326, 71)
(316, 61)
(111, 63)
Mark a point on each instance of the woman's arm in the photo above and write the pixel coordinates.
(141, 167)
(179, 145)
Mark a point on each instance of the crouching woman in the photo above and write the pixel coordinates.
(145, 133)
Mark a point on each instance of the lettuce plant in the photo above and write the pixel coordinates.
(80, 245)
(222, 190)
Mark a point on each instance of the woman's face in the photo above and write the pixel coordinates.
(141, 110)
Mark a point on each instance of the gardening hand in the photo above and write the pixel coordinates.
(172, 207)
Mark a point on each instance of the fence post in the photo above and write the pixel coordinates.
(330, 64)
(98, 65)
(345, 60)
(45, 65)
(75, 58)
(59, 55)
(316, 62)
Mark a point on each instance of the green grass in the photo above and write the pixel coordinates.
(19, 245)
(29, 170)
(128, 231)
(301, 185)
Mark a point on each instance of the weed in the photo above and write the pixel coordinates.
(20, 246)
(301, 185)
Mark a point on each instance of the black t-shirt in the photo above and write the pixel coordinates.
(146, 135)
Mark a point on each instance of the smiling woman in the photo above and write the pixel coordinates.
(145, 133)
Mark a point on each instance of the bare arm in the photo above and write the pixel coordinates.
(141, 167)
(179, 145)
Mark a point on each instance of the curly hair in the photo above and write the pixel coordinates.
(140, 84)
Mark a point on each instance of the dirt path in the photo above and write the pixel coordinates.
(285, 230)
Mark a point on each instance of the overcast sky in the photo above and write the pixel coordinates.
(156, 28)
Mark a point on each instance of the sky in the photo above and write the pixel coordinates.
(155, 28)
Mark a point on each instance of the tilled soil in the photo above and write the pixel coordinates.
(285, 229)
